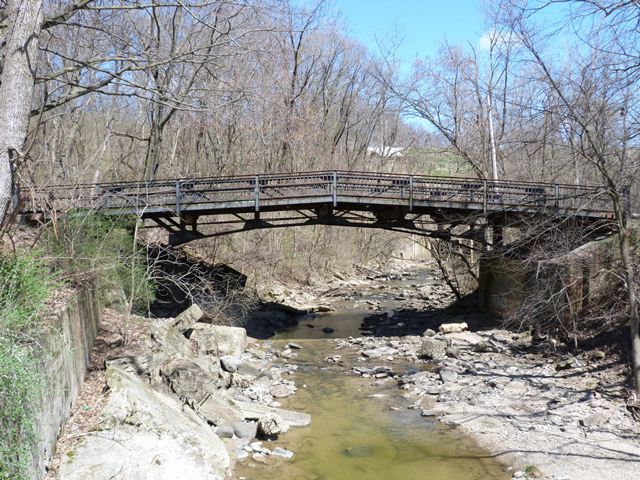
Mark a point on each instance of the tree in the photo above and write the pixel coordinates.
(596, 100)
(24, 20)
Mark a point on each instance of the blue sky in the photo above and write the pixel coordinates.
(422, 24)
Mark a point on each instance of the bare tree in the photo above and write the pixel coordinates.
(595, 98)
(23, 20)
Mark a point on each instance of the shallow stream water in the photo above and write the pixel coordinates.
(360, 431)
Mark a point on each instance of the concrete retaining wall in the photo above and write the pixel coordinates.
(63, 361)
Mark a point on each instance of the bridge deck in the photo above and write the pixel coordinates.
(376, 200)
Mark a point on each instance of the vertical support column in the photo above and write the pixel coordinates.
(411, 193)
(256, 195)
(334, 188)
(178, 206)
(497, 236)
(556, 196)
(484, 197)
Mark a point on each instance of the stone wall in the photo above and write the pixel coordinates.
(63, 361)
(583, 276)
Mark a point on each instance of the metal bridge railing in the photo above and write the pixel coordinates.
(219, 193)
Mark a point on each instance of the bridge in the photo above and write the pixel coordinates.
(439, 207)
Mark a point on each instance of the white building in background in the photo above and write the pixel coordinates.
(388, 152)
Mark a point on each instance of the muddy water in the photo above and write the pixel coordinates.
(360, 431)
(363, 432)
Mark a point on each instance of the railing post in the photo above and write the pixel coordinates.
(484, 198)
(411, 193)
(256, 193)
(556, 196)
(178, 198)
(335, 189)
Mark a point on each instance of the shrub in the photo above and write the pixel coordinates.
(99, 250)
(25, 285)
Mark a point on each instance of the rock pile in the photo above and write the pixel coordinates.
(186, 404)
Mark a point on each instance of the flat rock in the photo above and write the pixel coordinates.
(281, 391)
(448, 376)
(188, 318)
(147, 434)
(254, 411)
(282, 452)
(359, 451)
(453, 327)
(379, 352)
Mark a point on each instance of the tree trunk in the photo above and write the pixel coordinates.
(634, 316)
(16, 89)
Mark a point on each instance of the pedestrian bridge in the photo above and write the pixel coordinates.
(440, 207)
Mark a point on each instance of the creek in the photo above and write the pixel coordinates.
(363, 430)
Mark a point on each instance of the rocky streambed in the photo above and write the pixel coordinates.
(526, 402)
(378, 376)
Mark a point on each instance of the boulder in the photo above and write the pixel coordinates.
(219, 340)
(594, 420)
(432, 348)
(448, 376)
(225, 431)
(429, 333)
(453, 327)
(188, 380)
(198, 389)
(147, 434)
(173, 344)
(218, 411)
(230, 363)
(251, 369)
(245, 429)
(271, 425)
(568, 364)
(188, 318)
